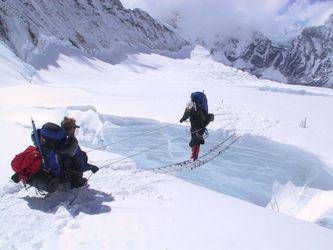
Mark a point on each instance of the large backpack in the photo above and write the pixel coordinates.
(53, 136)
(26, 163)
(201, 99)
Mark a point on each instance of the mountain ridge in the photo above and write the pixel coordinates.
(304, 60)
(28, 27)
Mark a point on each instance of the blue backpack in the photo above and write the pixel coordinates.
(201, 99)
(53, 136)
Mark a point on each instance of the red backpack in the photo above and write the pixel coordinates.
(26, 163)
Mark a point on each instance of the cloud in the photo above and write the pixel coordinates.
(310, 12)
(206, 18)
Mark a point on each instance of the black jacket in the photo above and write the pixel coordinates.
(197, 117)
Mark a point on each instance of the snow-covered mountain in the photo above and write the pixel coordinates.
(305, 60)
(98, 28)
(38, 31)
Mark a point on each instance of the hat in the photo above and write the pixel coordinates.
(69, 123)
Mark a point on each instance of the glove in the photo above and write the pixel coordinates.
(93, 168)
(181, 120)
(15, 178)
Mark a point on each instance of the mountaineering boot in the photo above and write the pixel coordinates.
(77, 179)
(80, 182)
(195, 152)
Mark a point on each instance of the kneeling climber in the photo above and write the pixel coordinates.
(44, 166)
(74, 159)
(39, 165)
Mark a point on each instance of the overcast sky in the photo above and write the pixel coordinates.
(208, 17)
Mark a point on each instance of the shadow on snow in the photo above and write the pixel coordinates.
(89, 201)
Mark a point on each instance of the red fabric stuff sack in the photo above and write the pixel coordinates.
(26, 163)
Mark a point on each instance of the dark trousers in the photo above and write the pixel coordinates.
(197, 136)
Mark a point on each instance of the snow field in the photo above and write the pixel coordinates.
(275, 162)
(126, 209)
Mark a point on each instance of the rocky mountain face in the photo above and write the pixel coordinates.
(306, 59)
(28, 27)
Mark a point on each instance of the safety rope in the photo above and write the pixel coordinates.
(142, 134)
(203, 159)
(172, 167)
(127, 157)
(129, 138)
(148, 149)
